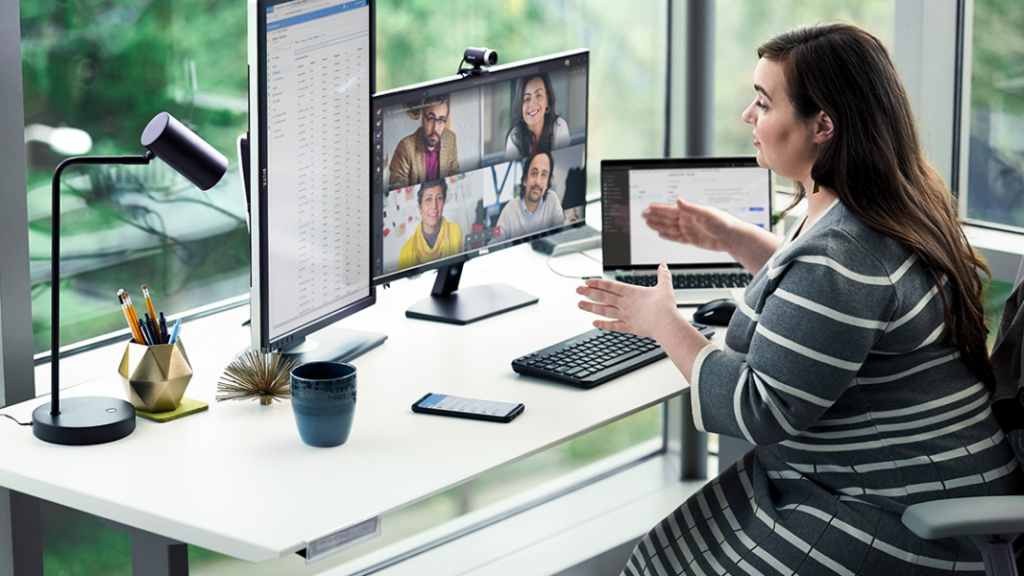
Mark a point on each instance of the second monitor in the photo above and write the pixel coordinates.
(464, 166)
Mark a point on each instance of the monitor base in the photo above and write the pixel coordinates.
(470, 304)
(331, 344)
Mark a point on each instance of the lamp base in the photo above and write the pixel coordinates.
(84, 421)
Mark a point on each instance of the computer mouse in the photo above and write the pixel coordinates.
(716, 312)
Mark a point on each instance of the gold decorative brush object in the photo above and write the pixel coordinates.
(256, 374)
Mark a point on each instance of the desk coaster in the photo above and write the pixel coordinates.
(187, 406)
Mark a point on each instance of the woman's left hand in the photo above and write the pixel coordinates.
(634, 309)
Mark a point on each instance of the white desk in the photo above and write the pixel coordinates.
(238, 480)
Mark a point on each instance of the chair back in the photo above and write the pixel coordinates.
(1008, 365)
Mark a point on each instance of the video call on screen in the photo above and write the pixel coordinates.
(466, 133)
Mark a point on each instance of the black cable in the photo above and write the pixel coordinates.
(16, 420)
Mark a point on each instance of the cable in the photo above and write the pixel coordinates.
(567, 275)
(16, 420)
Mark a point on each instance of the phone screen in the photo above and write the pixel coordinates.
(467, 405)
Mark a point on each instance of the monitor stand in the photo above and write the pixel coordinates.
(331, 344)
(447, 303)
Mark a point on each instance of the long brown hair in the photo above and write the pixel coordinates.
(521, 136)
(875, 167)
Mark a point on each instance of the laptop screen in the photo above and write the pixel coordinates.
(736, 185)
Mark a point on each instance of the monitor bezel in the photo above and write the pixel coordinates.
(453, 83)
(260, 274)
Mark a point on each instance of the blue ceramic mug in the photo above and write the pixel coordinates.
(323, 397)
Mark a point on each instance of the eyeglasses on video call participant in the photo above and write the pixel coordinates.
(535, 126)
(428, 153)
(434, 237)
(537, 207)
(857, 362)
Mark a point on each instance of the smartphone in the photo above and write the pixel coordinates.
(445, 405)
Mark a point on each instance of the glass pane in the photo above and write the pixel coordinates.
(421, 40)
(743, 25)
(995, 187)
(106, 67)
(95, 73)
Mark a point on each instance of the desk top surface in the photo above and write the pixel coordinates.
(238, 480)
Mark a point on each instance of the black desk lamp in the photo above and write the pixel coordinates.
(95, 419)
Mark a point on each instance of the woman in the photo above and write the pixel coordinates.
(434, 237)
(864, 386)
(535, 126)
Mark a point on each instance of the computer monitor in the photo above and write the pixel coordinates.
(464, 166)
(311, 70)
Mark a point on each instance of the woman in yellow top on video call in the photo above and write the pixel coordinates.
(434, 237)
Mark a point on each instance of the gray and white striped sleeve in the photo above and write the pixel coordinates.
(829, 300)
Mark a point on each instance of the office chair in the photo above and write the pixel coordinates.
(991, 522)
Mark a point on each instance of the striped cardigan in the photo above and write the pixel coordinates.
(838, 370)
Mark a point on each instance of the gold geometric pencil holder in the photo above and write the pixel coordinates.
(155, 377)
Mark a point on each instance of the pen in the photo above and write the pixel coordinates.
(175, 332)
(145, 333)
(163, 329)
(152, 313)
(154, 334)
(127, 315)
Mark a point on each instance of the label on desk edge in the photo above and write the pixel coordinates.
(342, 539)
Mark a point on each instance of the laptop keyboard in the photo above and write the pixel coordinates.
(691, 281)
(594, 357)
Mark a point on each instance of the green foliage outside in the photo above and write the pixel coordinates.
(108, 66)
(996, 186)
(745, 25)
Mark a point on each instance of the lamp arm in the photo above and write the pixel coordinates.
(55, 262)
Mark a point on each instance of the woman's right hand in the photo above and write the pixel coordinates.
(690, 223)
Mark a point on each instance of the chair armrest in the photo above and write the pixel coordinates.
(978, 516)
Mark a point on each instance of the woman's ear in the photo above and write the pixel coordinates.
(822, 128)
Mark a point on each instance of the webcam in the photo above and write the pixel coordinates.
(478, 58)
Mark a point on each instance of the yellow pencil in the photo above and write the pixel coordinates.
(152, 314)
(135, 317)
(127, 316)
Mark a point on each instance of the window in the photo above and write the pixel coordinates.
(94, 74)
(744, 25)
(995, 171)
(420, 40)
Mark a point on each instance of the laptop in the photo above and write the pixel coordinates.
(632, 250)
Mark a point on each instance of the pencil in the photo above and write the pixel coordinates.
(135, 317)
(128, 317)
(152, 313)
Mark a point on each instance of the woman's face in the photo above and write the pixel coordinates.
(785, 143)
(535, 100)
(431, 208)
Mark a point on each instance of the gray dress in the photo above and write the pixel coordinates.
(838, 371)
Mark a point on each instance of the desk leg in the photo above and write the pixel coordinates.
(154, 555)
(683, 440)
(21, 535)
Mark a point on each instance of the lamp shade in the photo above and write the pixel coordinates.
(190, 155)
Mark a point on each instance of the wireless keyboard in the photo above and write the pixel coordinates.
(695, 280)
(594, 357)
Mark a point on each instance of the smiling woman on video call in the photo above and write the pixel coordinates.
(857, 362)
(536, 127)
